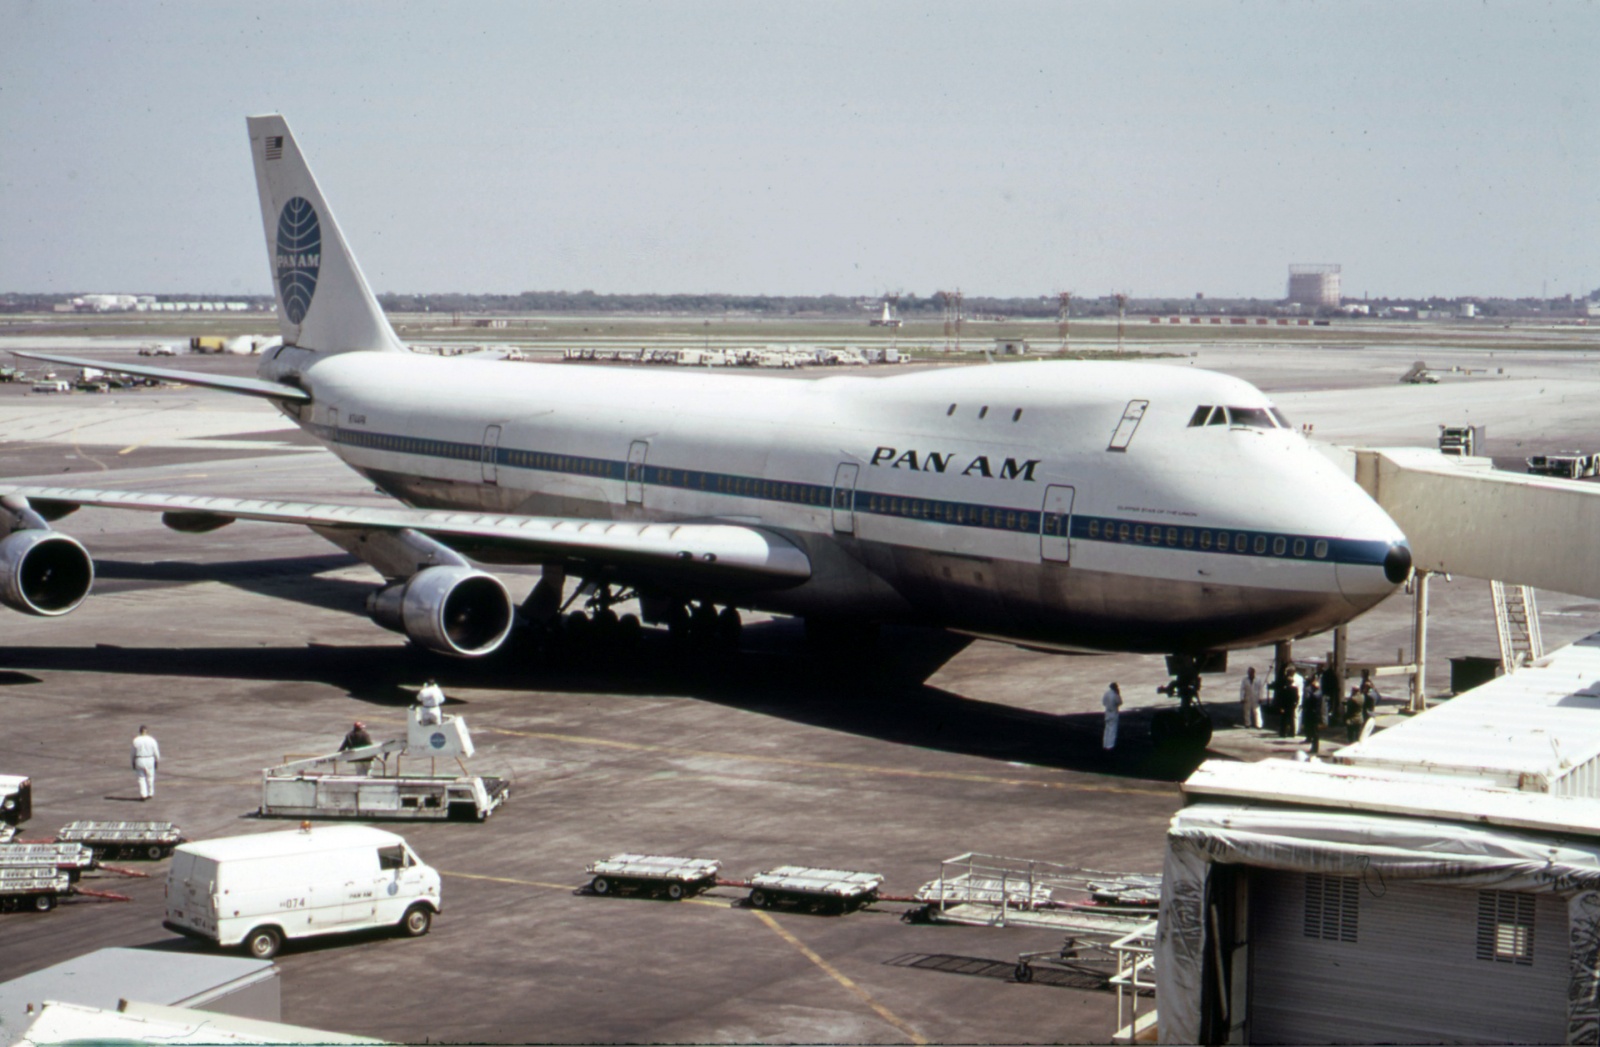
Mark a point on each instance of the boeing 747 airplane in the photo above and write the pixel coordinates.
(1071, 506)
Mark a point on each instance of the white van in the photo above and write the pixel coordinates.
(259, 890)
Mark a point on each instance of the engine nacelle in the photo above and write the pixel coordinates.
(44, 572)
(458, 611)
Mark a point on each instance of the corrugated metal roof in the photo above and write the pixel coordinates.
(1390, 791)
(1530, 730)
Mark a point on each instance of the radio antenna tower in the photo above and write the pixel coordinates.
(1064, 318)
(1122, 309)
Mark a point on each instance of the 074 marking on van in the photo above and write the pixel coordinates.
(292, 903)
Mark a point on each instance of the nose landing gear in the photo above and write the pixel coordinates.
(1189, 725)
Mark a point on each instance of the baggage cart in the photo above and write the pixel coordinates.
(656, 873)
(837, 889)
(70, 858)
(147, 840)
(34, 888)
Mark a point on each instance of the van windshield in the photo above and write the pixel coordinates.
(391, 857)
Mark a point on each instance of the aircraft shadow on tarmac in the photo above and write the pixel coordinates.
(875, 692)
(293, 578)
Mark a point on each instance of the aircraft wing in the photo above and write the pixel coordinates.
(729, 555)
(247, 386)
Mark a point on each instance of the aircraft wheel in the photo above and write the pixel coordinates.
(629, 631)
(579, 628)
(606, 621)
(703, 623)
(729, 628)
(678, 624)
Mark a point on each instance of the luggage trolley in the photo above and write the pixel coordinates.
(35, 887)
(838, 889)
(658, 874)
(70, 858)
(152, 840)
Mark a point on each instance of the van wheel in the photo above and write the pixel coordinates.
(416, 921)
(263, 942)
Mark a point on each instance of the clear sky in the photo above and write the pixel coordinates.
(808, 147)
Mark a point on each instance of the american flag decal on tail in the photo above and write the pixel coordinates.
(275, 147)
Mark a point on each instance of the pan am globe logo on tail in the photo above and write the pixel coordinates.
(299, 256)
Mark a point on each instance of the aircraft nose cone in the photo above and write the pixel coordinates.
(1397, 563)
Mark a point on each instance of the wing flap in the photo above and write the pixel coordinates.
(247, 386)
(725, 552)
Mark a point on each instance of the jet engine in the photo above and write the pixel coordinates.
(458, 611)
(44, 572)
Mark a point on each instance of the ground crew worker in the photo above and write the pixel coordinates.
(1288, 701)
(1112, 700)
(1311, 711)
(146, 758)
(1250, 698)
(358, 738)
(430, 698)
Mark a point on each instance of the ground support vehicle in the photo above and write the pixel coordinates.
(1571, 465)
(260, 890)
(149, 840)
(654, 873)
(35, 888)
(70, 858)
(839, 890)
(359, 783)
(16, 802)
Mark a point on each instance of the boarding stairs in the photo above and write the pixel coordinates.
(1516, 617)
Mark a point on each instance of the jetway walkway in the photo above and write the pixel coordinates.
(1516, 530)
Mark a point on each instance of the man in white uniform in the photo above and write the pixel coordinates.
(146, 757)
(1250, 698)
(430, 698)
(1112, 700)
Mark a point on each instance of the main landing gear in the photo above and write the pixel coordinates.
(588, 620)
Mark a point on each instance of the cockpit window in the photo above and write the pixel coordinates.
(1249, 417)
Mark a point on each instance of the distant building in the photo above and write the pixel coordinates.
(1314, 285)
(1011, 346)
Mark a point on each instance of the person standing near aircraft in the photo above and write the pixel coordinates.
(1112, 700)
(1288, 700)
(146, 758)
(1250, 698)
(430, 698)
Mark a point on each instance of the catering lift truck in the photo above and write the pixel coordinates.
(372, 782)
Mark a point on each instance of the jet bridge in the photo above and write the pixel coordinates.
(1463, 516)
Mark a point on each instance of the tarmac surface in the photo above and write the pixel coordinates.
(247, 645)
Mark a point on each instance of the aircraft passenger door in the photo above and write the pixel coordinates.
(491, 451)
(1055, 524)
(635, 476)
(844, 497)
(1132, 415)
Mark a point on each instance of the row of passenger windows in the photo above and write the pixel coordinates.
(1206, 540)
(410, 445)
(1250, 417)
(913, 508)
(745, 487)
(951, 512)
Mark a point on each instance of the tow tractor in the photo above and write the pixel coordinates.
(371, 782)
(16, 803)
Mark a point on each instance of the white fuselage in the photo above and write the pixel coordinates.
(1072, 505)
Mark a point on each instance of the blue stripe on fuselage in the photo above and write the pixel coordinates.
(1112, 530)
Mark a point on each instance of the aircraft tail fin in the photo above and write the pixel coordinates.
(324, 303)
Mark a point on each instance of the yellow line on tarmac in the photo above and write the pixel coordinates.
(131, 448)
(833, 972)
(830, 765)
(507, 879)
